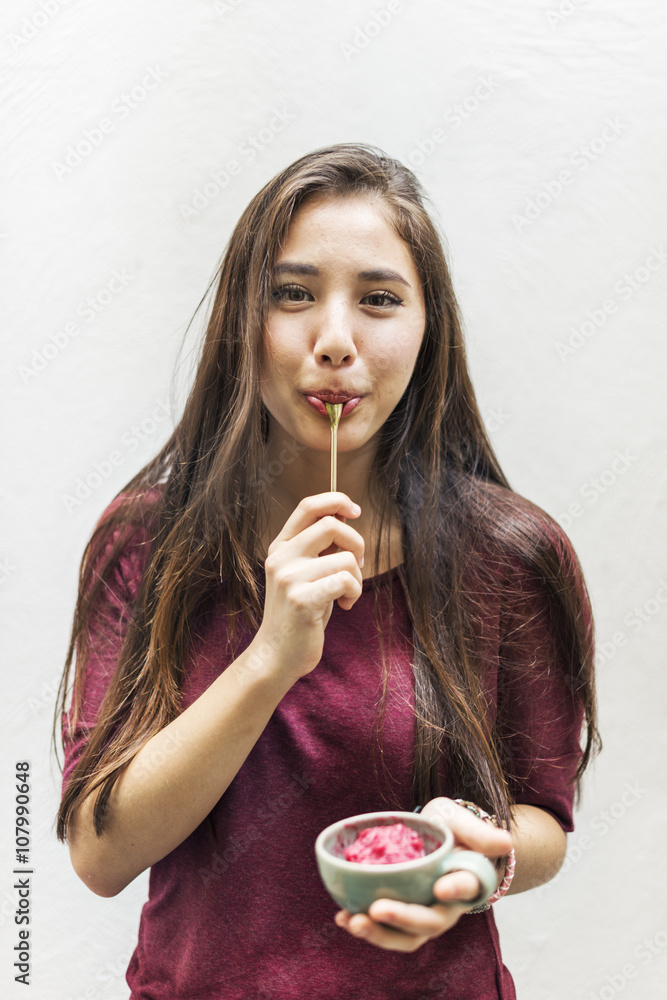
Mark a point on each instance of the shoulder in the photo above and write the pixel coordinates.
(544, 608)
(524, 556)
(520, 540)
(122, 538)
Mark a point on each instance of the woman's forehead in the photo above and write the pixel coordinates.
(358, 224)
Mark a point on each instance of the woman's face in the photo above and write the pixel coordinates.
(346, 315)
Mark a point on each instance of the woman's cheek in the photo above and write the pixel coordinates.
(397, 366)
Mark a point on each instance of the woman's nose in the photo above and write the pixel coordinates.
(335, 340)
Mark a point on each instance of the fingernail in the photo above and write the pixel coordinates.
(356, 508)
(361, 564)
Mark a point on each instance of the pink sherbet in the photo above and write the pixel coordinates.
(385, 845)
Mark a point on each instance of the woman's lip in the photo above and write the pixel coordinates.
(321, 408)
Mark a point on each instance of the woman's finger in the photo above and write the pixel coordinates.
(339, 578)
(412, 918)
(457, 887)
(363, 928)
(304, 570)
(398, 926)
(468, 829)
(328, 530)
(310, 509)
(339, 586)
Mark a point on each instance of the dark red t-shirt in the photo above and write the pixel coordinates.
(248, 917)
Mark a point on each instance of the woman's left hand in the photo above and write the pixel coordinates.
(411, 925)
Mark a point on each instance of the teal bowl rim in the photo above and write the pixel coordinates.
(361, 866)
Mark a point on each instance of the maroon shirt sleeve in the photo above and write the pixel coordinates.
(107, 629)
(543, 717)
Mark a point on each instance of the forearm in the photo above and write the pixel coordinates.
(175, 779)
(539, 845)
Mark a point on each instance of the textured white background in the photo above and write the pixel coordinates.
(541, 89)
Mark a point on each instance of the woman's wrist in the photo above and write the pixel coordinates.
(505, 864)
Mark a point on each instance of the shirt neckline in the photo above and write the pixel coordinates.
(366, 583)
(382, 578)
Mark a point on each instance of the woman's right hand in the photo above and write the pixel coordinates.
(302, 583)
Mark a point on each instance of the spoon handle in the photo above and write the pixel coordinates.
(334, 410)
(334, 457)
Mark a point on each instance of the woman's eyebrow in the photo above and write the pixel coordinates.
(379, 274)
(382, 274)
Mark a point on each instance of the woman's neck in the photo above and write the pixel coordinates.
(294, 472)
(279, 510)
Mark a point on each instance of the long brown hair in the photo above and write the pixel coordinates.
(204, 502)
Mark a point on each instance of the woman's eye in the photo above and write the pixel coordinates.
(389, 299)
(296, 294)
(289, 293)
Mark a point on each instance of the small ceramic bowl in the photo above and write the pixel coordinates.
(354, 886)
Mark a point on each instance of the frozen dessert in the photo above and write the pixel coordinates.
(385, 845)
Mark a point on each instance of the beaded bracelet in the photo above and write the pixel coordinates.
(510, 859)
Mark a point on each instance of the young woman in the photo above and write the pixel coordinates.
(257, 657)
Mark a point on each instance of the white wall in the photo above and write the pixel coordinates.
(542, 89)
